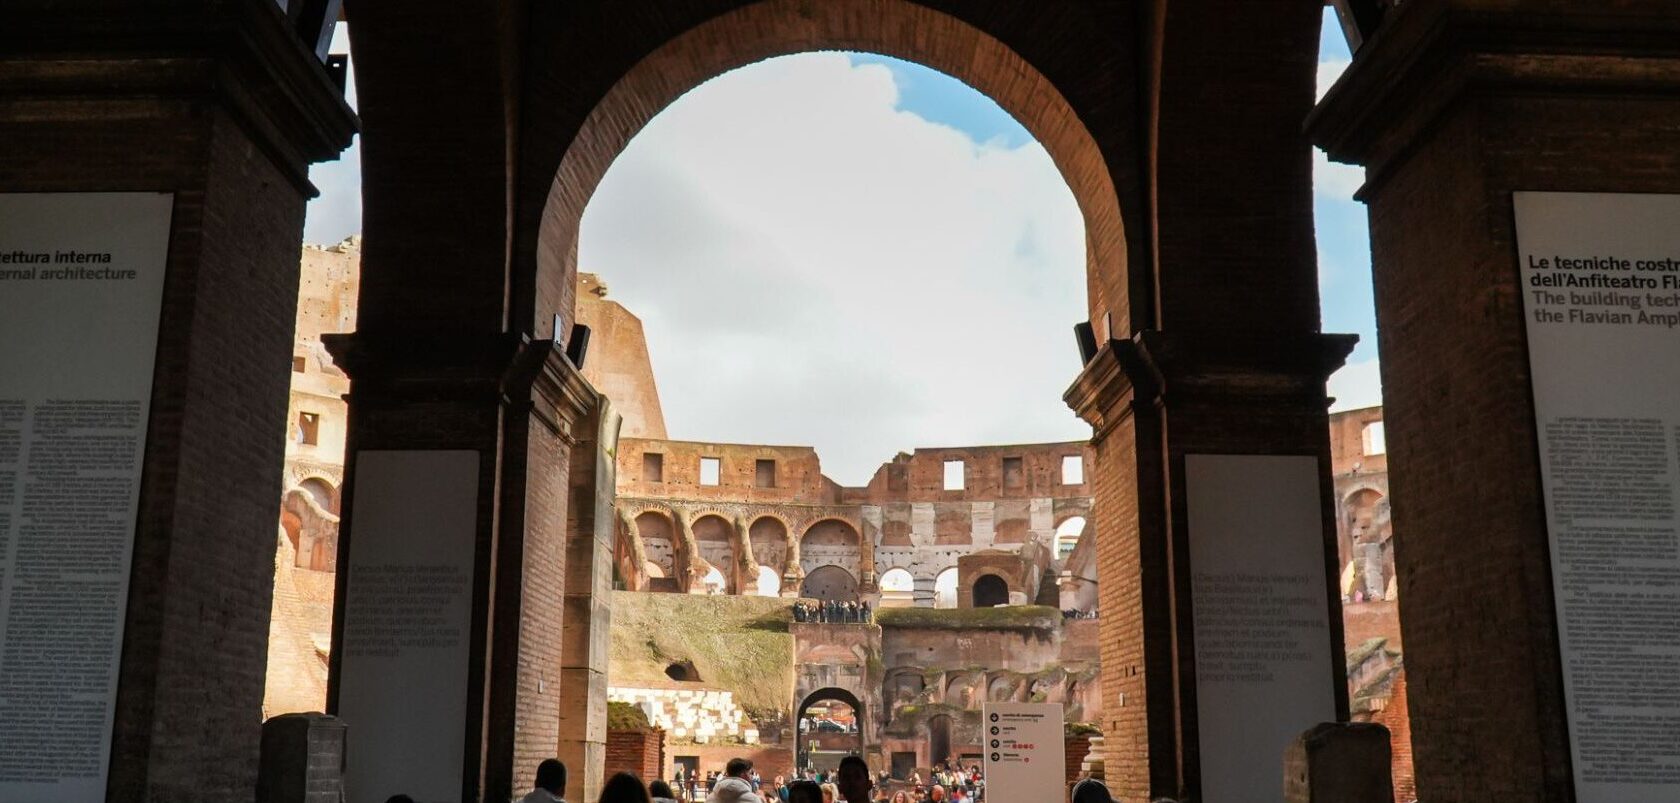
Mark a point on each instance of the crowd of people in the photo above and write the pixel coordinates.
(740, 783)
(833, 612)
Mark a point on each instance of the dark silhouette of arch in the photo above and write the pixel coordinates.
(990, 590)
(800, 751)
(939, 739)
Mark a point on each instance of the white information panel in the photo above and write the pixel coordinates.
(1025, 751)
(1264, 668)
(407, 616)
(81, 293)
(1601, 295)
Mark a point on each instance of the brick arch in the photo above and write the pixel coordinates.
(773, 28)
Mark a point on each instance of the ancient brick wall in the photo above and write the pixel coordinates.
(618, 363)
(639, 751)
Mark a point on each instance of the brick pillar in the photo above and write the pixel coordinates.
(586, 613)
(221, 105)
(1451, 107)
(1216, 351)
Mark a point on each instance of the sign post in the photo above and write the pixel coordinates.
(1025, 752)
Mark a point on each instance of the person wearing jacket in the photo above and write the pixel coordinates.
(734, 787)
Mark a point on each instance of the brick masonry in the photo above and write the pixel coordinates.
(637, 751)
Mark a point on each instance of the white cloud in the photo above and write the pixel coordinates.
(815, 266)
(1356, 385)
(1331, 179)
(1329, 70)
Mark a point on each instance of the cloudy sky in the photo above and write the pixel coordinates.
(866, 256)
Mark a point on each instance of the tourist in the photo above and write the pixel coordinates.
(661, 792)
(550, 783)
(734, 787)
(1091, 790)
(755, 781)
(804, 792)
(624, 787)
(937, 794)
(854, 780)
(830, 793)
(901, 796)
(399, 799)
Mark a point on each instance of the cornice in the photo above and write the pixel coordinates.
(242, 55)
(1430, 55)
(542, 377)
(1157, 367)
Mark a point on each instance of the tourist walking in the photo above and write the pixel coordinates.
(625, 787)
(550, 783)
(734, 787)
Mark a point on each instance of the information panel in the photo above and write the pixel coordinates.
(1601, 295)
(1025, 751)
(81, 293)
(1264, 668)
(407, 617)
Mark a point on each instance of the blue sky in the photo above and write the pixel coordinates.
(865, 255)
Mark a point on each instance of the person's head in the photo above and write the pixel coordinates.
(779, 780)
(399, 799)
(901, 796)
(830, 793)
(804, 792)
(551, 775)
(737, 768)
(854, 780)
(660, 789)
(1091, 790)
(936, 793)
(624, 787)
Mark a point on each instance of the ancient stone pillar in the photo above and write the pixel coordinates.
(208, 114)
(1452, 107)
(1211, 357)
(587, 613)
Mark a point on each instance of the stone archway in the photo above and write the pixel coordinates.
(990, 590)
(803, 739)
(830, 583)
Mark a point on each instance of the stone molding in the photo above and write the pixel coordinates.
(242, 56)
(1429, 56)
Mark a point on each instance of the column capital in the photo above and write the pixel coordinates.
(1431, 54)
(1156, 366)
(543, 377)
(244, 57)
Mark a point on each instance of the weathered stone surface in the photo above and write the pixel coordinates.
(1339, 762)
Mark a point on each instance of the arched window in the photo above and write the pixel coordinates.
(769, 583)
(897, 589)
(1067, 536)
(830, 583)
(945, 589)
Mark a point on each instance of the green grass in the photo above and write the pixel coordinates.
(738, 643)
(1011, 617)
(626, 717)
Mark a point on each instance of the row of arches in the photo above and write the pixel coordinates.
(714, 554)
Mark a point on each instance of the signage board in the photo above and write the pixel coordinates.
(1024, 751)
(1600, 290)
(1264, 666)
(407, 620)
(81, 296)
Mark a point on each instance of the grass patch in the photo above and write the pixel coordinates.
(738, 643)
(1010, 617)
(626, 717)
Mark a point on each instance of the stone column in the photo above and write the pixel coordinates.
(1451, 107)
(1211, 344)
(221, 105)
(586, 633)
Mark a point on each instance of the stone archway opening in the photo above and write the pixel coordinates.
(830, 583)
(990, 591)
(829, 725)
